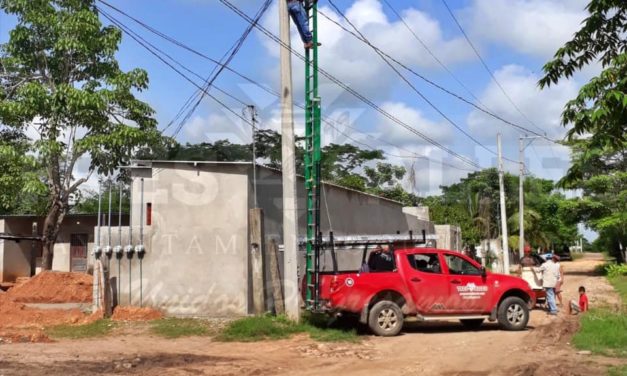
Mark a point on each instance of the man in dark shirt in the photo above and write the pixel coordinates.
(380, 260)
(527, 260)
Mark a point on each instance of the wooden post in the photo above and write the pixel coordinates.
(256, 259)
(275, 277)
(33, 251)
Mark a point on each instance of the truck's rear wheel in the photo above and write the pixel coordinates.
(385, 319)
(471, 323)
(513, 313)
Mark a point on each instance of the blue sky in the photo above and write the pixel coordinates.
(515, 37)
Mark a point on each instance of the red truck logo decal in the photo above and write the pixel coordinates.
(472, 291)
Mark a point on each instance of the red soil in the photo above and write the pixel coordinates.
(17, 315)
(54, 287)
(135, 314)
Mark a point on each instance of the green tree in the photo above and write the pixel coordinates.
(60, 76)
(20, 186)
(597, 121)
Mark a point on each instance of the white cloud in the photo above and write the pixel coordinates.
(537, 27)
(355, 63)
(395, 134)
(542, 107)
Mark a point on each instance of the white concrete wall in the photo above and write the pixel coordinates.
(449, 237)
(196, 262)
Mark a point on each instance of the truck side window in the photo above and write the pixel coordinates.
(425, 262)
(459, 266)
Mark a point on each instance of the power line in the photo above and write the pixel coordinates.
(431, 82)
(412, 86)
(352, 91)
(219, 64)
(143, 42)
(220, 68)
(169, 64)
(485, 65)
(430, 52)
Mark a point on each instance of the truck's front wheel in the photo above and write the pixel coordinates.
(385, 319)
(513, 313)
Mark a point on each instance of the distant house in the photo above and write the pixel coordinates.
(23, 258)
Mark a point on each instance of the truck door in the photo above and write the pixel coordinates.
(427, 283)
(469, 291)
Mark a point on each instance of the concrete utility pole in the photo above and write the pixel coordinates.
(290, 215)
(503, 209)
(521, 198)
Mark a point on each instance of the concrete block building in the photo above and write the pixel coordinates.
(194, 220)
(74, 243)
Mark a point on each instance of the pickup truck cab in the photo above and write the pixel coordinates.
(427, 284)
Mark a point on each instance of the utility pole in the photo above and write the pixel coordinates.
(253, 120)
(521, 198)
(503, 209)
(290, 219)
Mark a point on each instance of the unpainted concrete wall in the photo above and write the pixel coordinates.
(196, 263)
(344, 211)
(449, 237)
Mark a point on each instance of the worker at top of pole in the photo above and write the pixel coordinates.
(298, 13)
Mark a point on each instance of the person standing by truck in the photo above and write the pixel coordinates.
(550, 278)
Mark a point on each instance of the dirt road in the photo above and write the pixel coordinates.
(441, 349)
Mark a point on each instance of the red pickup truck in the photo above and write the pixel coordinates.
(428, 284)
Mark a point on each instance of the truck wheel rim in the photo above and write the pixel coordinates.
(387, 319)
(515, 314)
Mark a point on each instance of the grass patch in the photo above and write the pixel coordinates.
(620, 284)
(95, 329)
(259, 328)
(576, 255)
(175, 328)
(617, 371)
(604, 330)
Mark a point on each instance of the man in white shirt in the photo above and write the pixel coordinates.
(550, 278)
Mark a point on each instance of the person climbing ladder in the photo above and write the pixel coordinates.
(298, 13)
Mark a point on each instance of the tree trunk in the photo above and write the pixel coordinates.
(50, 232)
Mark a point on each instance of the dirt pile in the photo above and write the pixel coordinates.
(17, 315)
(135, 314)
(54, 287)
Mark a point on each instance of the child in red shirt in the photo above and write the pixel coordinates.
(574, 308)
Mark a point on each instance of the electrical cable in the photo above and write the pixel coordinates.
(138, 40)
(433, 55)
(433, 83)
(485, 65)
(220, 68)
(353, 92)
(143, 42)
(411, 85)
(209, 81)
(276, 94)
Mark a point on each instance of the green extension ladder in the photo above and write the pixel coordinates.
(312, 164)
